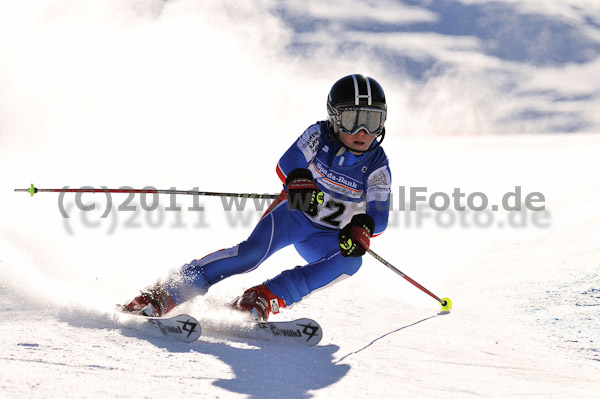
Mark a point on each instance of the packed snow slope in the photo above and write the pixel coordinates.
(208, 95)
(524, 321)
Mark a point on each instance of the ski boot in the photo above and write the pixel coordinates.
(259, 301)
(153, 301)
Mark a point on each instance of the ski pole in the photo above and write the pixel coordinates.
(33, 190)
(445, 302)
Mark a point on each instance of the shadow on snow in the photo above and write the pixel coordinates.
(265, 369)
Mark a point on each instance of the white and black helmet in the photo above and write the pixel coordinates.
(357, 102)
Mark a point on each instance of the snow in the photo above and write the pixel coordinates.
(116, 93)
(524, 320)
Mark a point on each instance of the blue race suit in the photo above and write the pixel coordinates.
(351, 185)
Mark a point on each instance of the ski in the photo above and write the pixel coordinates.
(302, 331)
(186, 328)
(182, 327)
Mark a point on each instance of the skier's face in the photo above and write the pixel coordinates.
(360, 141)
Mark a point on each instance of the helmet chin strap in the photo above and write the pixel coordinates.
(337, 138)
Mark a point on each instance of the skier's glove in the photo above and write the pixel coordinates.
(355, 237)
(303, 192)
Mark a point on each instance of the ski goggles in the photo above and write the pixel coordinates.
(351, 120)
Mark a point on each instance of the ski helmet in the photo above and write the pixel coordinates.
(355, 103)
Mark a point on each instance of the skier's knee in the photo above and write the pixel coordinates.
(351, 265)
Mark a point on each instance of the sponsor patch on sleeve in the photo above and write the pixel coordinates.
(379, 185)
(309, 142)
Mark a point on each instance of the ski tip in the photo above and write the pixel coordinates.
(312, 331)
(182, 327)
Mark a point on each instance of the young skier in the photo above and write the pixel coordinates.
(336, 196)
